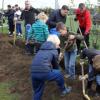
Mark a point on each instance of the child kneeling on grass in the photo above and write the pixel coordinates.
(45, 67)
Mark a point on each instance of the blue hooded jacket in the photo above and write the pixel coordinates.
(46, 59)
(54, 31)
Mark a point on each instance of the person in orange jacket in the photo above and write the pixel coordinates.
(84, 18)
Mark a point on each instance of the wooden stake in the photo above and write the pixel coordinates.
(14, 41)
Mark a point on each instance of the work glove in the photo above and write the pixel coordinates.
(86, 33)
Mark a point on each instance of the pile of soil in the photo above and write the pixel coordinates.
(15, 67)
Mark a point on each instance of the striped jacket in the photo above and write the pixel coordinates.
(39, 31)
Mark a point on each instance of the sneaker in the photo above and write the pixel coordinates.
(78, 55)
(10, 35)
(66, 91)
(21, 35)
(67, 76)
(27, 53)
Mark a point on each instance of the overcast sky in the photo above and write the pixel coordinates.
(44, 3)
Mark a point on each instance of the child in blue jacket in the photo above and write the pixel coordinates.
(45, 67)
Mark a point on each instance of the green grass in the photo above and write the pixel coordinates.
(3, 29)
(5, 92)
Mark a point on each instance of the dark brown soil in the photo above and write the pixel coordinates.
(15, 67)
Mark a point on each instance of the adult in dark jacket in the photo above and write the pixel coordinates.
(28, 14)
(58, 15)
(1, 17)
(93, 74)
(44, 68)
(10, 15)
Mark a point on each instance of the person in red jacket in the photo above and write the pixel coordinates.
(84, 18)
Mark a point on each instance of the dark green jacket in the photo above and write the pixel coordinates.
(71, 44)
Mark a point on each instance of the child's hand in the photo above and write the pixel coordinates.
(26, 42)
(15, 18)
(71, 37)
(60, 56)
(57, 46)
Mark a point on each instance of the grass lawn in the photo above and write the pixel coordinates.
(4, 29)
(5, 91)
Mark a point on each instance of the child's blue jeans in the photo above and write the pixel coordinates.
(18, 28)
(39, 79)
(69, 59)
(92, 75)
